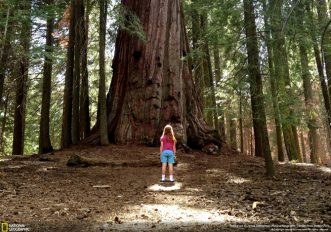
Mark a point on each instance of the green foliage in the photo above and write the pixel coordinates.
(128, 21)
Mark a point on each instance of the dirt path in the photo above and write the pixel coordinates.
(225, 193)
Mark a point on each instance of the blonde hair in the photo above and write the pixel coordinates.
(169, 132)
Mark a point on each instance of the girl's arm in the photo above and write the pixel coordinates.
(175, 149)
(161, 146)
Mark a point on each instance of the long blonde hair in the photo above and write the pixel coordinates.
(169, 132)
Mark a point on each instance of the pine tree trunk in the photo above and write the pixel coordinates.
(151, 84)
(66, 140)
(296, 142)
(218, 77)
(212, 117)
(303, 148)
(21, 83)
(4, 51)
(45, 145)
(197, 50)
(233, 133)
(257, 100)
(324, 87)
(310, 104)
(281, 72)
(273, 87)
(84, 120)
(79, 14)
(326, 50)
(3, 125)
(102, 82)
(241, 127)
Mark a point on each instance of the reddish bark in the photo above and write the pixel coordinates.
(151, 84)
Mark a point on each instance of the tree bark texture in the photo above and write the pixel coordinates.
(3, 125)
(69, 76)
(197, 50)
(281, 72)
(241, 124)
(218, 77)
(44, 138)
(319, 64)
(151, 84)
(21, 83)
(326, 50)
(211, 114)
(84, 120)
(311, 114)
(273, 87)
(79, 24)
(102, 75)
(5, 50)
(257, 100)
(233, 133)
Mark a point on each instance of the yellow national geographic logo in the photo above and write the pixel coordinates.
(4, 227)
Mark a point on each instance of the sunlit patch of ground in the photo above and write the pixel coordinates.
(237, 180)
(170, 216)
(325, 169)
(165, 187)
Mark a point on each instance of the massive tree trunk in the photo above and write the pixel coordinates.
(21, 82)
(259, 118)
(44, 138)
(152, 85)
(66, 139)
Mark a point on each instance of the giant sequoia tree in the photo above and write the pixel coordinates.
(152, 83)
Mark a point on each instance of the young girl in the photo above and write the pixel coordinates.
(168, 151)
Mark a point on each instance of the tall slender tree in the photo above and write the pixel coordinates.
(218, 76)
(79, 24)
(281, 72)
(44, 137)
(325, 40)
(257, 100)
(102, 75)
(21, 82)
(273, 86)
(84, 120)
(66, 139)
(310, 103)
(5, 48)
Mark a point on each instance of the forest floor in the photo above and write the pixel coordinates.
(211, 193)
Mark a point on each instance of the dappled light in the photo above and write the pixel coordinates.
(237, 180)
(165, 186)
(325, 169)
(170, 216)
(165, 115)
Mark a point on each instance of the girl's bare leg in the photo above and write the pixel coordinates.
(164, 167)
(171, 169)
